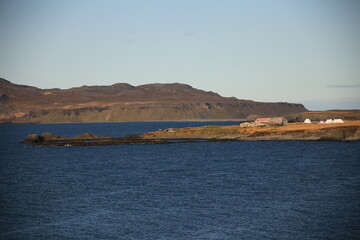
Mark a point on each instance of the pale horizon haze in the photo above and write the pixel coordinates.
(300, 51)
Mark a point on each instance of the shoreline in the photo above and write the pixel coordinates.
(185, 120)
(349, 131)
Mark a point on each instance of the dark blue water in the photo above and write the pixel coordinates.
(216, 190)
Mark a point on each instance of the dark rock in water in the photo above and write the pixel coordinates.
(86, 139)
(50, 137)
(88, 136)
(39, 138)
(33, 138)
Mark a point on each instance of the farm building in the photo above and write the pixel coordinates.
(307, 120)
(252, 124)
(334, 121)
(338, 121)
(279, 121)
(169, 130)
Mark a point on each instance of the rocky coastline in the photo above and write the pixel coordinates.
(86, 139)
(348, 131)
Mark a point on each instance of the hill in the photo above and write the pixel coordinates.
(124, 102)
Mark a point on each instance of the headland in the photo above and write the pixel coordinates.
(347, 131)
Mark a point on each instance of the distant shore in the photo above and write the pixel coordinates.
(348, 131)
(182, 120)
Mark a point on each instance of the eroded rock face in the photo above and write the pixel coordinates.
(340, 134)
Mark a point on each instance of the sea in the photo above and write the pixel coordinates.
(204, 190)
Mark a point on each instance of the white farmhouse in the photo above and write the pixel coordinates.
(307, 120)
(338, 121)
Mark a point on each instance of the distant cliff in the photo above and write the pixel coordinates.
(123, 102)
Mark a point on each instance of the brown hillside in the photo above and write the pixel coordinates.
(123, 102)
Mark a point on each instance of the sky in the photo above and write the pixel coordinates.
(302, 51)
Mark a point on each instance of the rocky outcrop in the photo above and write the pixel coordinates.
(49, 137)
(86, 139)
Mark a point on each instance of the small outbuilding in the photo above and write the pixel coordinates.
(338, 121)
(252, 124)
(275, 121)
(307, 121)
(170, 130)
(334, 120)
(328, 121)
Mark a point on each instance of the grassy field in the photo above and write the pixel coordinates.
(291, 128)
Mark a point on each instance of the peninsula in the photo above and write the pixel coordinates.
(348, 131)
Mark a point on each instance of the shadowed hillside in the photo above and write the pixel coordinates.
(123, 102)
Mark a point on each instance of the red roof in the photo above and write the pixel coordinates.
(263, 120)
(274, 120)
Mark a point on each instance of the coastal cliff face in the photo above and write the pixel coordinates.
(123, 102)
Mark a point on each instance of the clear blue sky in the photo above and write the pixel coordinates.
(305, 51)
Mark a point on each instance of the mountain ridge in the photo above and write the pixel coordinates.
(124, 102)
